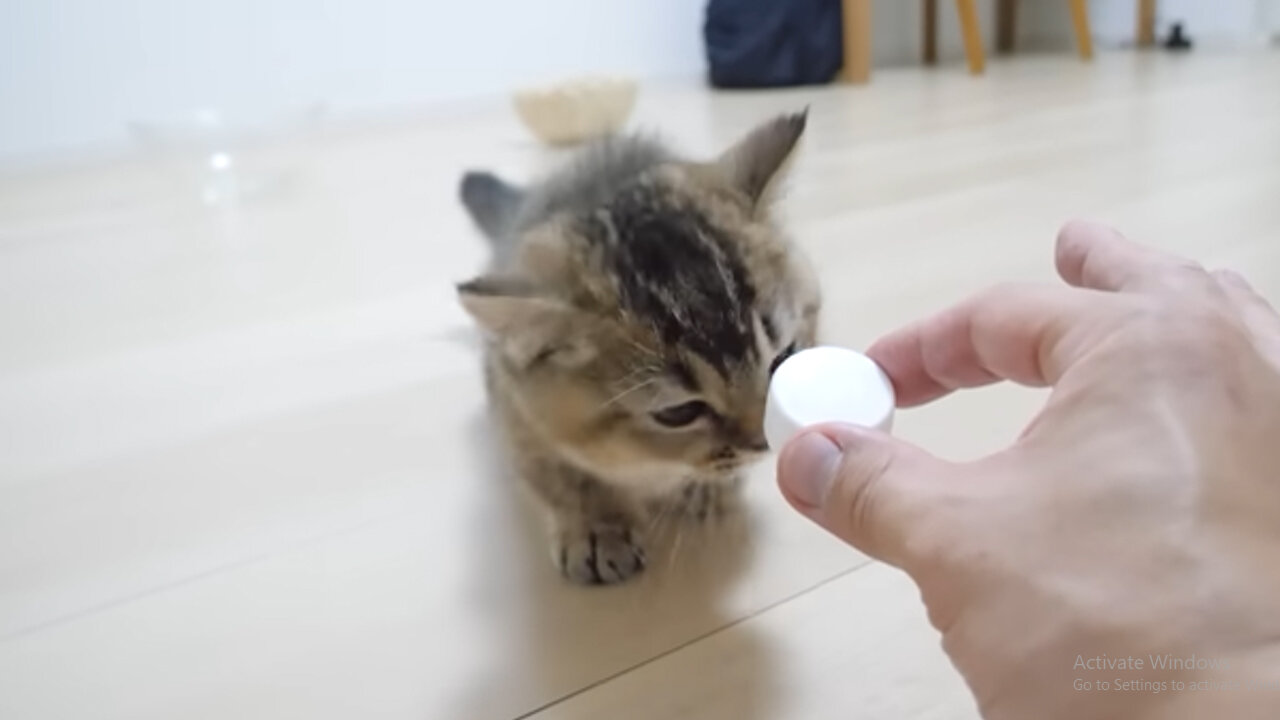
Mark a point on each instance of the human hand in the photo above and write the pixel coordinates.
(1137, 515)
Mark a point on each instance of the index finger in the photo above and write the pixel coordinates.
(1026, 334)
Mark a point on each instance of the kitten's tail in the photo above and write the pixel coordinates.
(492, 202)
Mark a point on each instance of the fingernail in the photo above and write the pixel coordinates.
(808, 467)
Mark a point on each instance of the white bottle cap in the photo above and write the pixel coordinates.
(826, 384)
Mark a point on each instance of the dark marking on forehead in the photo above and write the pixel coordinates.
(684, 375)
(678, 273)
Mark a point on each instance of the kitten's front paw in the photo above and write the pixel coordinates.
(599, 554)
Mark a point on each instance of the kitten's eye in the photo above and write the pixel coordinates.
(787, 352)
(681, 415)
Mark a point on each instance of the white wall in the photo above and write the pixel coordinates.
(75, 73)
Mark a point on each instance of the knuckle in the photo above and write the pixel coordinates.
(1182, 274)
(890, 509)
(1231, 278)
(862, 478)
(1220, 328)
(1194, 333)
(1239, 292)
(1204, 327)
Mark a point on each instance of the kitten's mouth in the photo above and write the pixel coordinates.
(737, 463)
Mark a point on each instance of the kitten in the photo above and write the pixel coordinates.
(634, 309)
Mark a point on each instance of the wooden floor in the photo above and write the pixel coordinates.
(244, 466)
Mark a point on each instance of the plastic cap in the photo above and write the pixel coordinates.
(826, 384)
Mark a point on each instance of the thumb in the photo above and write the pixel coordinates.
(871, 490)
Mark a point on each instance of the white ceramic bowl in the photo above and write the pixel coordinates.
(575, 111)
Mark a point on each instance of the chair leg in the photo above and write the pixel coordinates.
(1146, 23)
(1006, 25)
(1084, 35)
(930, 32)
(857, 40)
(972, 35)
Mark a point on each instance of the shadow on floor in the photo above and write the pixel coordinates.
(557, 640)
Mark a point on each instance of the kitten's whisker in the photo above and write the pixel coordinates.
(660, 521)
(646, 369)
(641, 368)
(640, 371)
(646, 351)
(675, 546)
(664, 513)
(638, 386)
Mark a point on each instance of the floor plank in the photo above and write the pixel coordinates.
(246, 471)
(861, 638)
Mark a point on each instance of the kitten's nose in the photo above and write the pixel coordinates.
(750, 437)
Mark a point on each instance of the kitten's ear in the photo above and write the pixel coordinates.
(526, 323)
(754, 161)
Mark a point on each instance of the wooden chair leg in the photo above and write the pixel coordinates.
(1146, 23)
(972, 35)
(857, 40)
(1006, 25)
(1084, 34)
(930, 32)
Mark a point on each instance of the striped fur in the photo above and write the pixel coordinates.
(627, 292)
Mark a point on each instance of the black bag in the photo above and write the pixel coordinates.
(773, 43)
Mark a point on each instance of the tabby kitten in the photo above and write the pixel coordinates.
(635, 307)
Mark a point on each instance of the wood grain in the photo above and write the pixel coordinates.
(247, 471)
